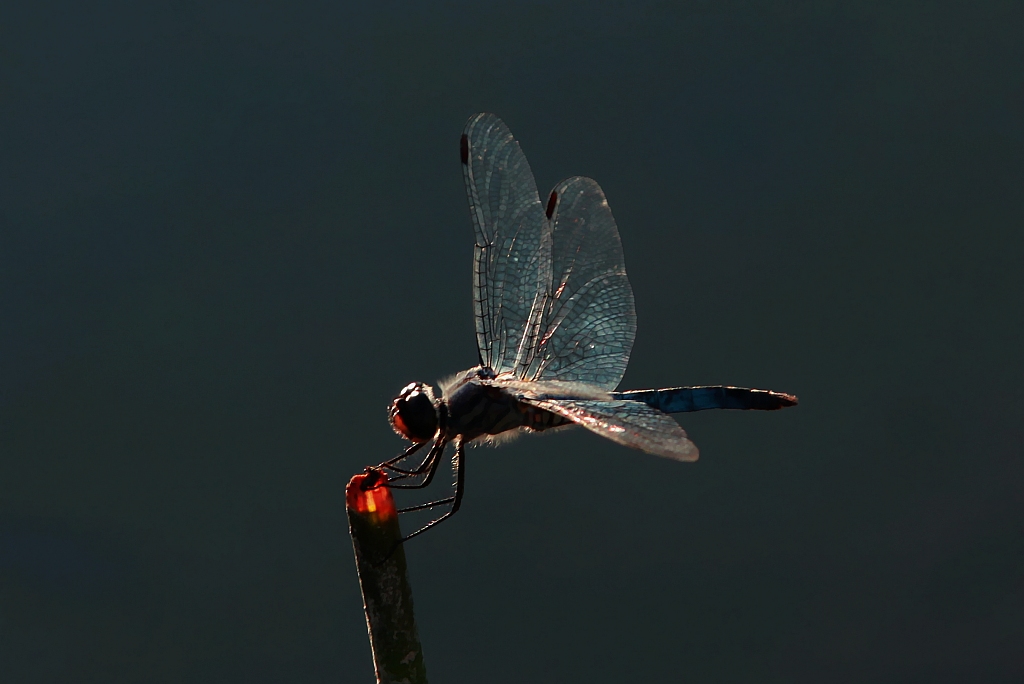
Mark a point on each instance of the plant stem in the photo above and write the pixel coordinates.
(387, 597)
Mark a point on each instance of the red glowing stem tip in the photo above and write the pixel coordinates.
(368, 493)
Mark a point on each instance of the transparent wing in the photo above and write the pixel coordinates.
(589, 323)
(512, 256)
(538, 390)
(630, 423)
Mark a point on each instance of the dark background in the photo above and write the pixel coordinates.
(229, 233)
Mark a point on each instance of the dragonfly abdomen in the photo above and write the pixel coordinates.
(686, 399)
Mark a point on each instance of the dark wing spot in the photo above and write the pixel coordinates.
(552, 201)
(464, 148)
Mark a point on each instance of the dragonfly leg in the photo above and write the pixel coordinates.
(409, 451)
(412, 449)
(429, 466)
(455, 501)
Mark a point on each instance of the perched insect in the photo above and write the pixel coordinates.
(555, 323)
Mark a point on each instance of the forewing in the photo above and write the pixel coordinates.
(589, 321)
(512, 256)
(629, 423)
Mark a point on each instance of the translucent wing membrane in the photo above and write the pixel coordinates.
(589, 322)
(631, 423)
(512, 256)
(551, 296)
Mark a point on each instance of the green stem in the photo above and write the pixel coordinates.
(387, 597)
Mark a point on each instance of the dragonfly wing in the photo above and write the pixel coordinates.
(537, 390)
(589, 322)
(630, 423)
(512, 256)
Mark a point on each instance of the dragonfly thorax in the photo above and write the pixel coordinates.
(414, 412)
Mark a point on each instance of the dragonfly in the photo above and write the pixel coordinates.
(555, 323)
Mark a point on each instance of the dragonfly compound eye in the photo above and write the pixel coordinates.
(413, 413)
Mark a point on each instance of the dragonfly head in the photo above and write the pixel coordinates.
(414, 412)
